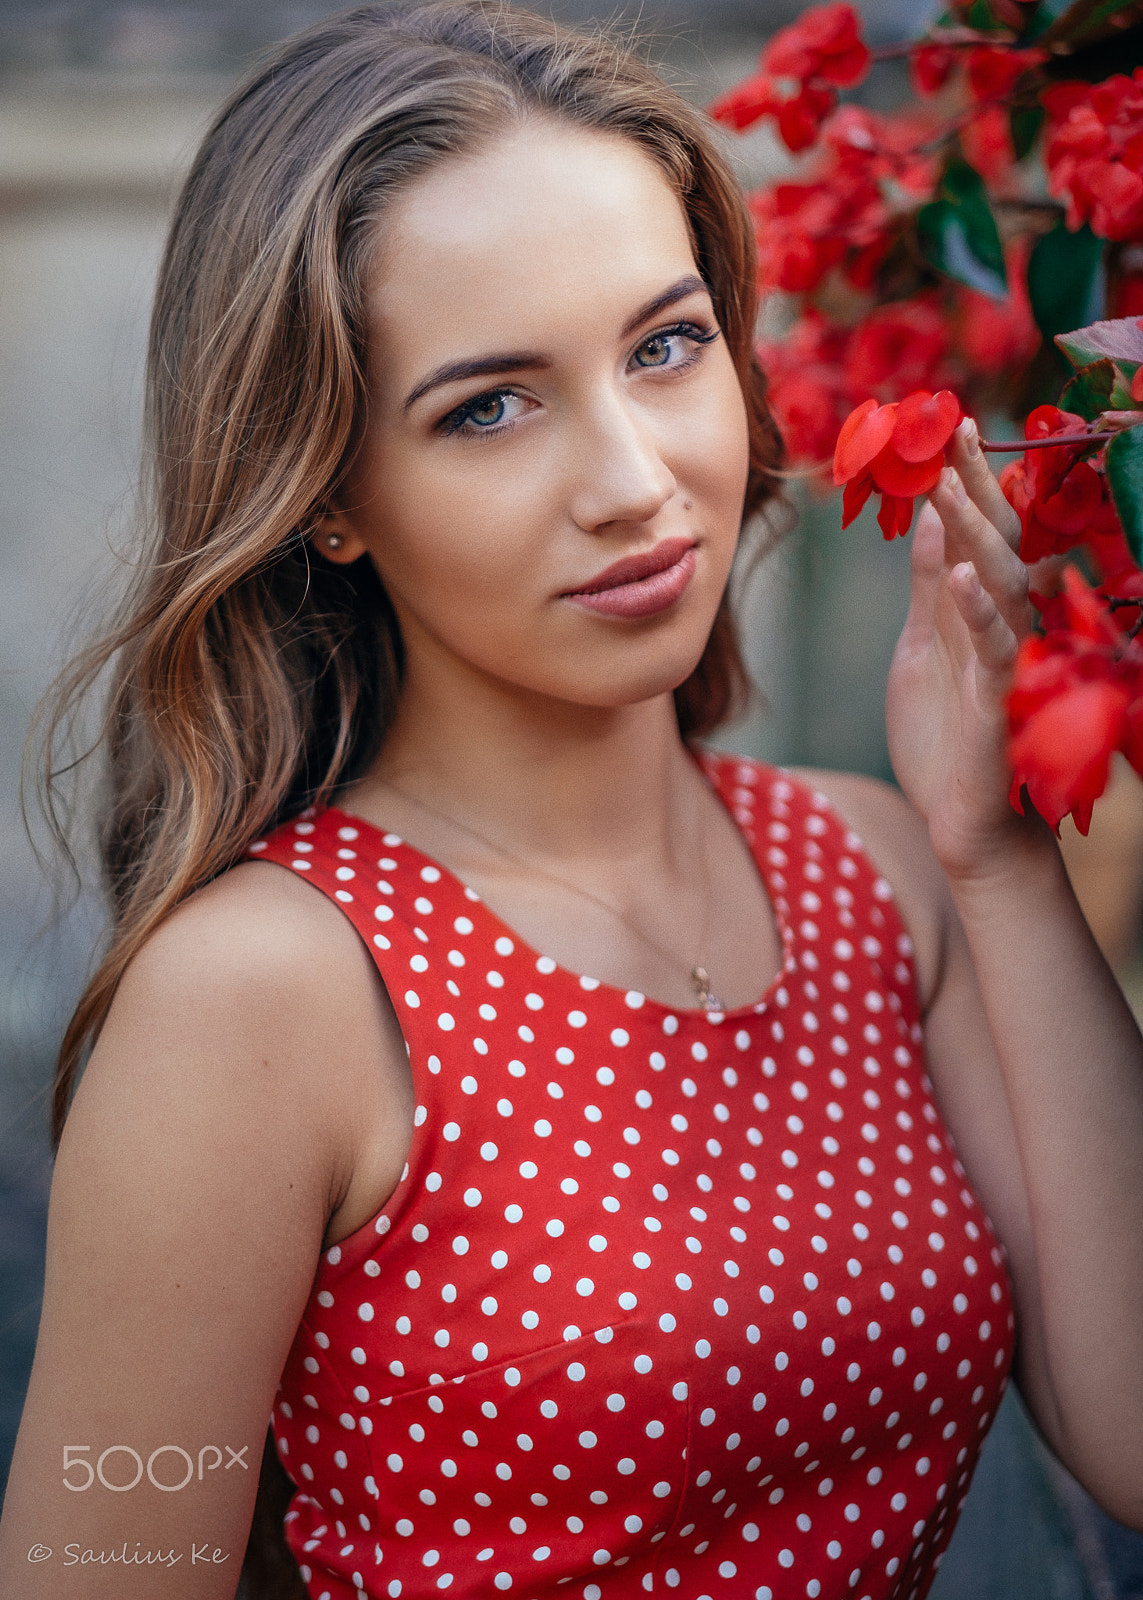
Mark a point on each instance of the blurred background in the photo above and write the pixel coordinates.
(101, 105)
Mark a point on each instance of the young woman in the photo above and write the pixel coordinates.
(555, 1129)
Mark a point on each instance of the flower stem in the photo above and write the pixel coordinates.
(950, 38)
(1010, 446)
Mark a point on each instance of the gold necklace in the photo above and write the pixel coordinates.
(698, 974)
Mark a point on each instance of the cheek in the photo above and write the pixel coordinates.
(718, 447)
(448, 537)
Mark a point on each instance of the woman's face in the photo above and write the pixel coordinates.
(550, 395)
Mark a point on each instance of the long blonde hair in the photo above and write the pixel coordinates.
(249, 679)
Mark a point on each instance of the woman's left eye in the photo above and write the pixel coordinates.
(672, 347)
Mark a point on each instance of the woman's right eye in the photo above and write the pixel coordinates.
(485, 414)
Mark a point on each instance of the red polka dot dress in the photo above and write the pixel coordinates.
(665, 1302)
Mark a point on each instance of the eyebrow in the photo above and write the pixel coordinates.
(530, 360)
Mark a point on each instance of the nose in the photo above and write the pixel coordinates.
(620, 475)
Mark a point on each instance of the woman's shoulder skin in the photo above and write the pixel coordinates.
(209, 1143)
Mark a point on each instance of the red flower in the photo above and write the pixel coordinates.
(1126, 296)
(1095, 154)
(1047, 469)
(1059, 522)
(825, 43)
(987, 143)
(897, 450)
(804, 229)
(808, 394)
(746, 103)
(800, 118)
(1073, 703)
(899, 347)
(821, 52)
(993, 71)
(999, 337)
(870, 147)
(930, 66)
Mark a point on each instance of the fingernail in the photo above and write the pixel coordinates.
(968, 431)
(956, 488)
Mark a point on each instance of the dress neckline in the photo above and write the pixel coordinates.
(499, 928)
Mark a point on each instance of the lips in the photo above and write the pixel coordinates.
(640, 585)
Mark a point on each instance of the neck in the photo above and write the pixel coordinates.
(582, 785)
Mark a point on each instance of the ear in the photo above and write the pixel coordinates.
(335, 539)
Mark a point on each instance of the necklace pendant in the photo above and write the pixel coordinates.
(707, 998)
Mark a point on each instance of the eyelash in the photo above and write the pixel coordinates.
(455, 421)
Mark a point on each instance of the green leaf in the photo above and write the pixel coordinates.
(958, 233)
(1124, 458)
(1065, 278)
(1121, 339)
(979, 16)
(1089, 392)
(1025, 123)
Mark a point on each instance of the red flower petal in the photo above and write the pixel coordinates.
(908, 478)
(863, 434)
(895, 516)
(925, 424)
(857, 492)
(1073, 508)
(746, 103)
(1063, 751)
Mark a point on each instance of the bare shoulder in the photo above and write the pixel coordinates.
(252, 1029)
(200, 1162)
(229, 994)
(897, 842)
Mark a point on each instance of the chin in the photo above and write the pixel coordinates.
(621, 689)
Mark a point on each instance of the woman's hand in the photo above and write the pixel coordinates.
(945, 710)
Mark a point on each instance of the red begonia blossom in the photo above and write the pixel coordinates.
(987, 144)
(821, 52)
(747, 103)
(1125, 295)
(805, 229)
(899, 347)
(993, 71)
(1047, 469)
(808, 393)
(824, 43)
(930, 67)
(1057, 523)
(1075, 700)
(1058, 498)
(1095, 154)
(897, 450)
(998, 337)
(871, 148)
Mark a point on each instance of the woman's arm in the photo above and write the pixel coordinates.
(205, 1150)
(1048, 1126)
(1036, 1059)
